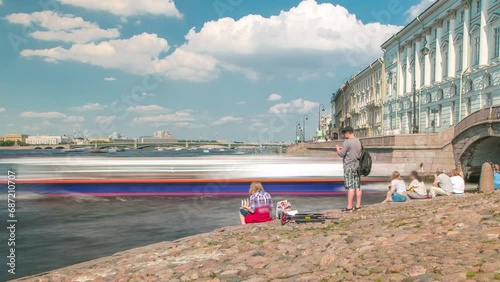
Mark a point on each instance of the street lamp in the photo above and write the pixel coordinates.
(297, 128)
(424, 51)
(321, 108)
(304, 118)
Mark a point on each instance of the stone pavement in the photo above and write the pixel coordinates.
(443, 239)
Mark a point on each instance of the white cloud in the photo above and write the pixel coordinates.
(109, 78)
(143, 57)
(298, 106)
(123, 20)
(42, 115)
(308, 37)
(2, 110)
(129, 7)
(147, 109)
(274, 97)
(303, 43)
(257, 126)
(416, 10)
(74, 119)
(228, 119)
(104, 119)
(89, 107)
(241, 102)
(57, 27)
(188, 125)
(179, 116)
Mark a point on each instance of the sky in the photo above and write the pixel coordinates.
(228, 69)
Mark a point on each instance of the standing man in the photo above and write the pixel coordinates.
(442, 185)
(351, 153)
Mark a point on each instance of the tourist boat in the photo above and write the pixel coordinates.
(206, 151)
(199, 176)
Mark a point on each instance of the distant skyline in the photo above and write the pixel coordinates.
(243, 70)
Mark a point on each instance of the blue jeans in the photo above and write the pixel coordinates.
(396, 197)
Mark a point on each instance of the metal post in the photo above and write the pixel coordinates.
(304, 118)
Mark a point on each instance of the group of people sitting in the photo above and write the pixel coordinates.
(443, 185)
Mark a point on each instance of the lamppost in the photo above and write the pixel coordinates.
(321, 108)
(297, 129)
(424, 51)
(304, 118)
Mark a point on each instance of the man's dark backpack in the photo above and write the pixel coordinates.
(365, 162)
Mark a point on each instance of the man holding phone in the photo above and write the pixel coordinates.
(350, 152)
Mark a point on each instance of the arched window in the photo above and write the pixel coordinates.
(440, 94)
(428, 98)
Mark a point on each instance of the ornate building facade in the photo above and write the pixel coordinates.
(441, 67)
(359, 102)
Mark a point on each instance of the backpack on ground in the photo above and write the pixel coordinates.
(365, 162)
(282, 206)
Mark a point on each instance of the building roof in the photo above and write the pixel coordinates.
(415, 22)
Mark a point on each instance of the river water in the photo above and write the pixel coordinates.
(57, 232)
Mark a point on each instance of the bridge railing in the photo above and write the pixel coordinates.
(482, 115)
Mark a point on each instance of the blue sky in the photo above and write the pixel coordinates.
(236, 69)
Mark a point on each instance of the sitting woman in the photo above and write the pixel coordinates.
(397, 190)
(416, 189)
(496, 177)
(260, 206)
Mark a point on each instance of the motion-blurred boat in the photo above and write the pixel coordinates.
(200, 176)
(206, 151)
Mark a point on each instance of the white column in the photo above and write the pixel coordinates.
(417, 62)
(400, 74)
(483, 34)
(466, 38)
(409, 83)
(439, 60)
(427, 61)
(451, 46)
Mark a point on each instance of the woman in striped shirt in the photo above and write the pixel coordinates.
(259, 207)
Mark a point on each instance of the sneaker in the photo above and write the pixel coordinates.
(358, 208)
(346, 210)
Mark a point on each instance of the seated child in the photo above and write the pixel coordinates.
(258, 208)
(397, 189)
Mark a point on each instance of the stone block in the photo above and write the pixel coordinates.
(486, 179)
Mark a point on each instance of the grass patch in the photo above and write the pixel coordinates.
(470, 274)
(488, 241)
(496, 276)
(378, 280)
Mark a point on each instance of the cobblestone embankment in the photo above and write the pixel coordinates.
(444, 239)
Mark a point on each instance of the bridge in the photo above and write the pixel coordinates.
(477, 139)
(185, 144)
(465, 146)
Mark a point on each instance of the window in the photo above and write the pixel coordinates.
(487, 100)
(438, 121)
(445, 62)
(462, 15)
(448, 25)
(435, 33)
(428, 118)
(476, 51)
(422, 71)
(496, 49)
(478, 6)
(452, 114)
(467, 106)
(433, 67)
(460, 57)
